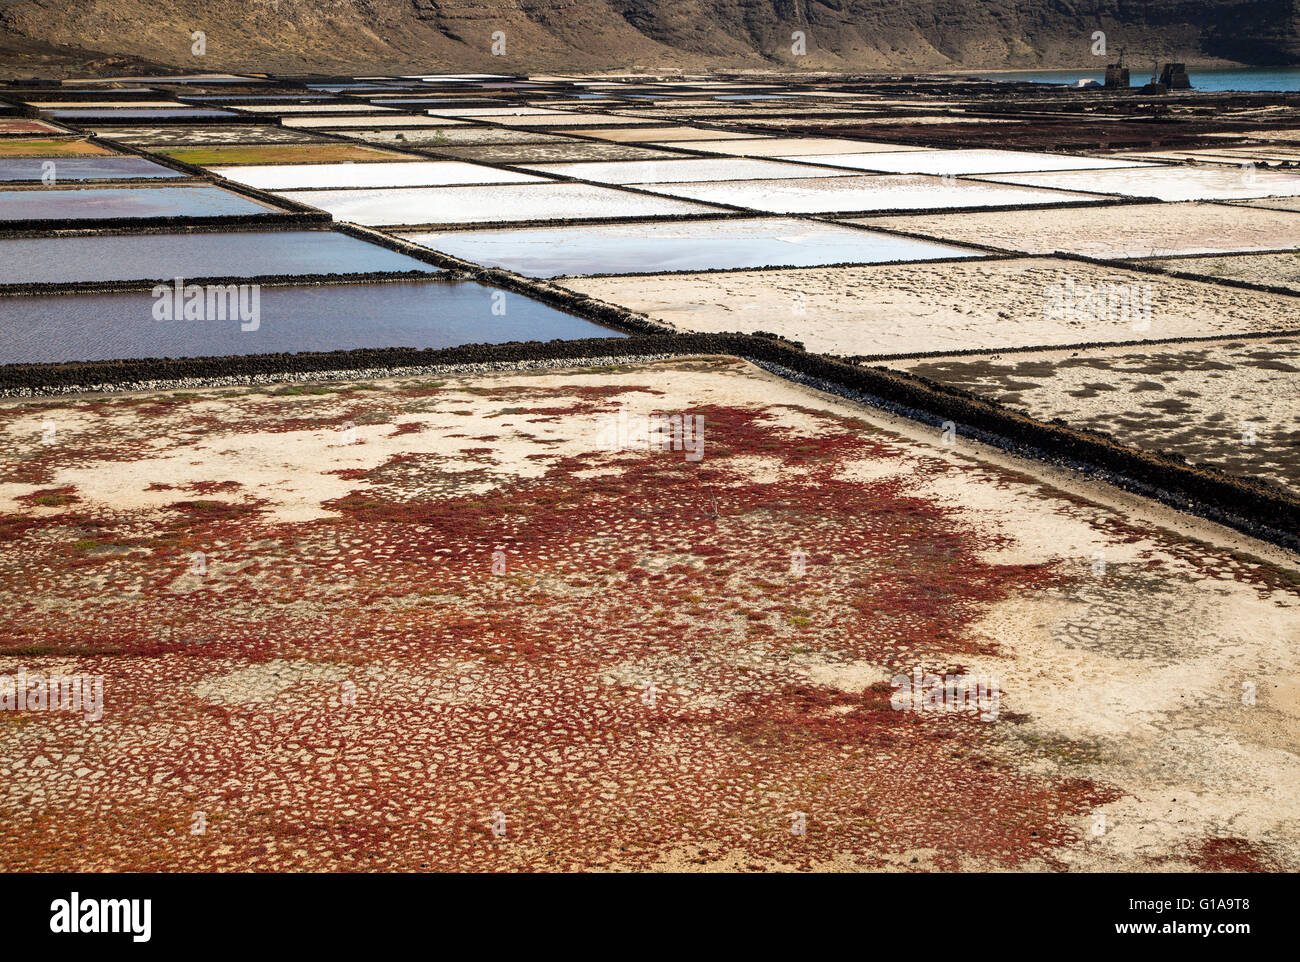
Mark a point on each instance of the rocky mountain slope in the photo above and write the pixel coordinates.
(357, 36)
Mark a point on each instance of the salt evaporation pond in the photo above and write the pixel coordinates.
(187, 136)
(972, 161)
(83, 168)
(1125, 230)
(331, 108)
(679, 246)
(1168, 183)
(419, 314)
(813, 195)
(506, 202)
(129, 257)
(147, 113)
(685, 170)
(787, 147)
(431, 173)
(102, 203)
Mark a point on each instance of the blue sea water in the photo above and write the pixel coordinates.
(1232, 78)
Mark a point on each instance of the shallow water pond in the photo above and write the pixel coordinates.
(974, 161)
(687, 170)
(83, 168)
(679, 246)
(102, 203)
(126, 257)
(430, 173)
(499, 202)
(811, 195)
(145, 113)
(1168, 183)
(420, 314)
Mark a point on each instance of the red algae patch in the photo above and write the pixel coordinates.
(1231, 855)
(649, 616)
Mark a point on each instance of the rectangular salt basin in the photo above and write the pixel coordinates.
(419, 314)
(12, 125)
(102, 203)
(571, 120)
(231, 97)
(339, 108)
(1166, 183)
(425, 100)
(50, 147)
(813, 195)
(133, 257)
(783, 147)
(433, 173)
(567, 151)
(1274, 270)
(971, 304)
(88, 104)
(1275, 203)
(176, 135)
(1193, 399)
(679, 246)
(435, 137)
(369, 120)
(494, 112)
(1228, 156)
(666, 134)
(973, 161)
(258, 155)
(1129, 230)
(83, 168)
(684, 170)
(127, 113)
(501, 203)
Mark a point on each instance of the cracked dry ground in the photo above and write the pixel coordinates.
(353, 684)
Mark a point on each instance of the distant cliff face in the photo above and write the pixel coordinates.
(361, 36)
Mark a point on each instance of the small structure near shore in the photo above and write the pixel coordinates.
(1174, 77)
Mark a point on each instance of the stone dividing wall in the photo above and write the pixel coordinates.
(1255, 507)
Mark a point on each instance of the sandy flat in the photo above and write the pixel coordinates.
(1132, 230)
(398, 581)
(1273, 270)
(1203, 401)
(1274, 203)
(955, 306)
